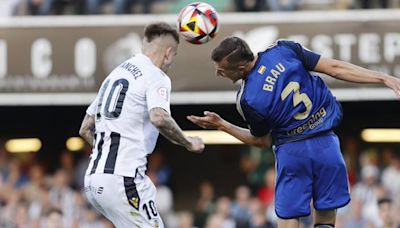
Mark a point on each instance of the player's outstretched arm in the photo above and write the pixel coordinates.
(352, 73)
(212, 120)
(170, 130)
(87, 129)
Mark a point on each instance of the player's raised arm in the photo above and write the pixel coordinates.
(88, 124)
(352, 73)
(212, 120)
(167, 126)
(87, 128)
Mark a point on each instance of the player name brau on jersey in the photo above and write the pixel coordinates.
(272, 77)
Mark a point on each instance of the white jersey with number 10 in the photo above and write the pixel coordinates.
(124, 135)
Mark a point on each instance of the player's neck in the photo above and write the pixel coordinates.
(155, 58)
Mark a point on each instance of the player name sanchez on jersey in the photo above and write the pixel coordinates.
(298, 105)
(124, 135)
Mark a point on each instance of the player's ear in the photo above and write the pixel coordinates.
(168, 53)
(241, 68)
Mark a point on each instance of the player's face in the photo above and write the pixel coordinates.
(224, 70)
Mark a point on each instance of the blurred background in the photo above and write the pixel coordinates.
(55, 53)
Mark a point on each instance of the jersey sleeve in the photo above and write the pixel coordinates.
(257, 123)
(91, 110)
(158, 94)
(307, 57)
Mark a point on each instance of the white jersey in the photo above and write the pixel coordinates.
(124, 135)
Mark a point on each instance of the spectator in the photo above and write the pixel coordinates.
(157, 165)
(14, 178)
(32, 189)
(390, 176)
(249, 5)
(21, 217)
(185, 219)
(223, 210)
(283, 5)
(355, 219)
(119, 6)
(267, 193)
(386, 213)
(254, 163)
(54, 218)
(90, 219)
(367, 192)
(205, 204)
(240, 207)
(8, 7)
(47, 7)
(62, 196)
(67, 161)
(8, 213)
(39, 205)
(259, 217)
(367, 4)
(214, 221)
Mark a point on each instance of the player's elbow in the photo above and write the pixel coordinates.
(261, 145)
(83, 131)
(332, 67)
(263, 142)
(158, 118)
(157, 121)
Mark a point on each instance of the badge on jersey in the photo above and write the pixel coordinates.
(163, 92)
(134, 201)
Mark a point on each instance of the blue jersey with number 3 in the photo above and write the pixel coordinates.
(280, 96)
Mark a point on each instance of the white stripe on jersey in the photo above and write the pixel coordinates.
(124, 133)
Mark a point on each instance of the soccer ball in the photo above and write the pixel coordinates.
(198, 22)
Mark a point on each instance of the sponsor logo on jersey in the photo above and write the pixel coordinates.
(311, 123)
(261, 70)
(134, 214)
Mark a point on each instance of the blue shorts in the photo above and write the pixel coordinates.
(312, 168)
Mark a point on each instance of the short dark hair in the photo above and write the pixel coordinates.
(235, 49)
(158, 29)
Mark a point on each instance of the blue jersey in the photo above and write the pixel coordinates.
(280, 96)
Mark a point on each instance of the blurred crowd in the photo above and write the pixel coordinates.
(32, 196)
(81, 7)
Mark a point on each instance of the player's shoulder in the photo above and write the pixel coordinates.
(281, 43)
(288, 45)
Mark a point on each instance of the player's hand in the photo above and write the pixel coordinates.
(210, 120)
(394, 84)
(196, 144)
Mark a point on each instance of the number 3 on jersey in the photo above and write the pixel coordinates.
(115, 99)
(297, 99)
